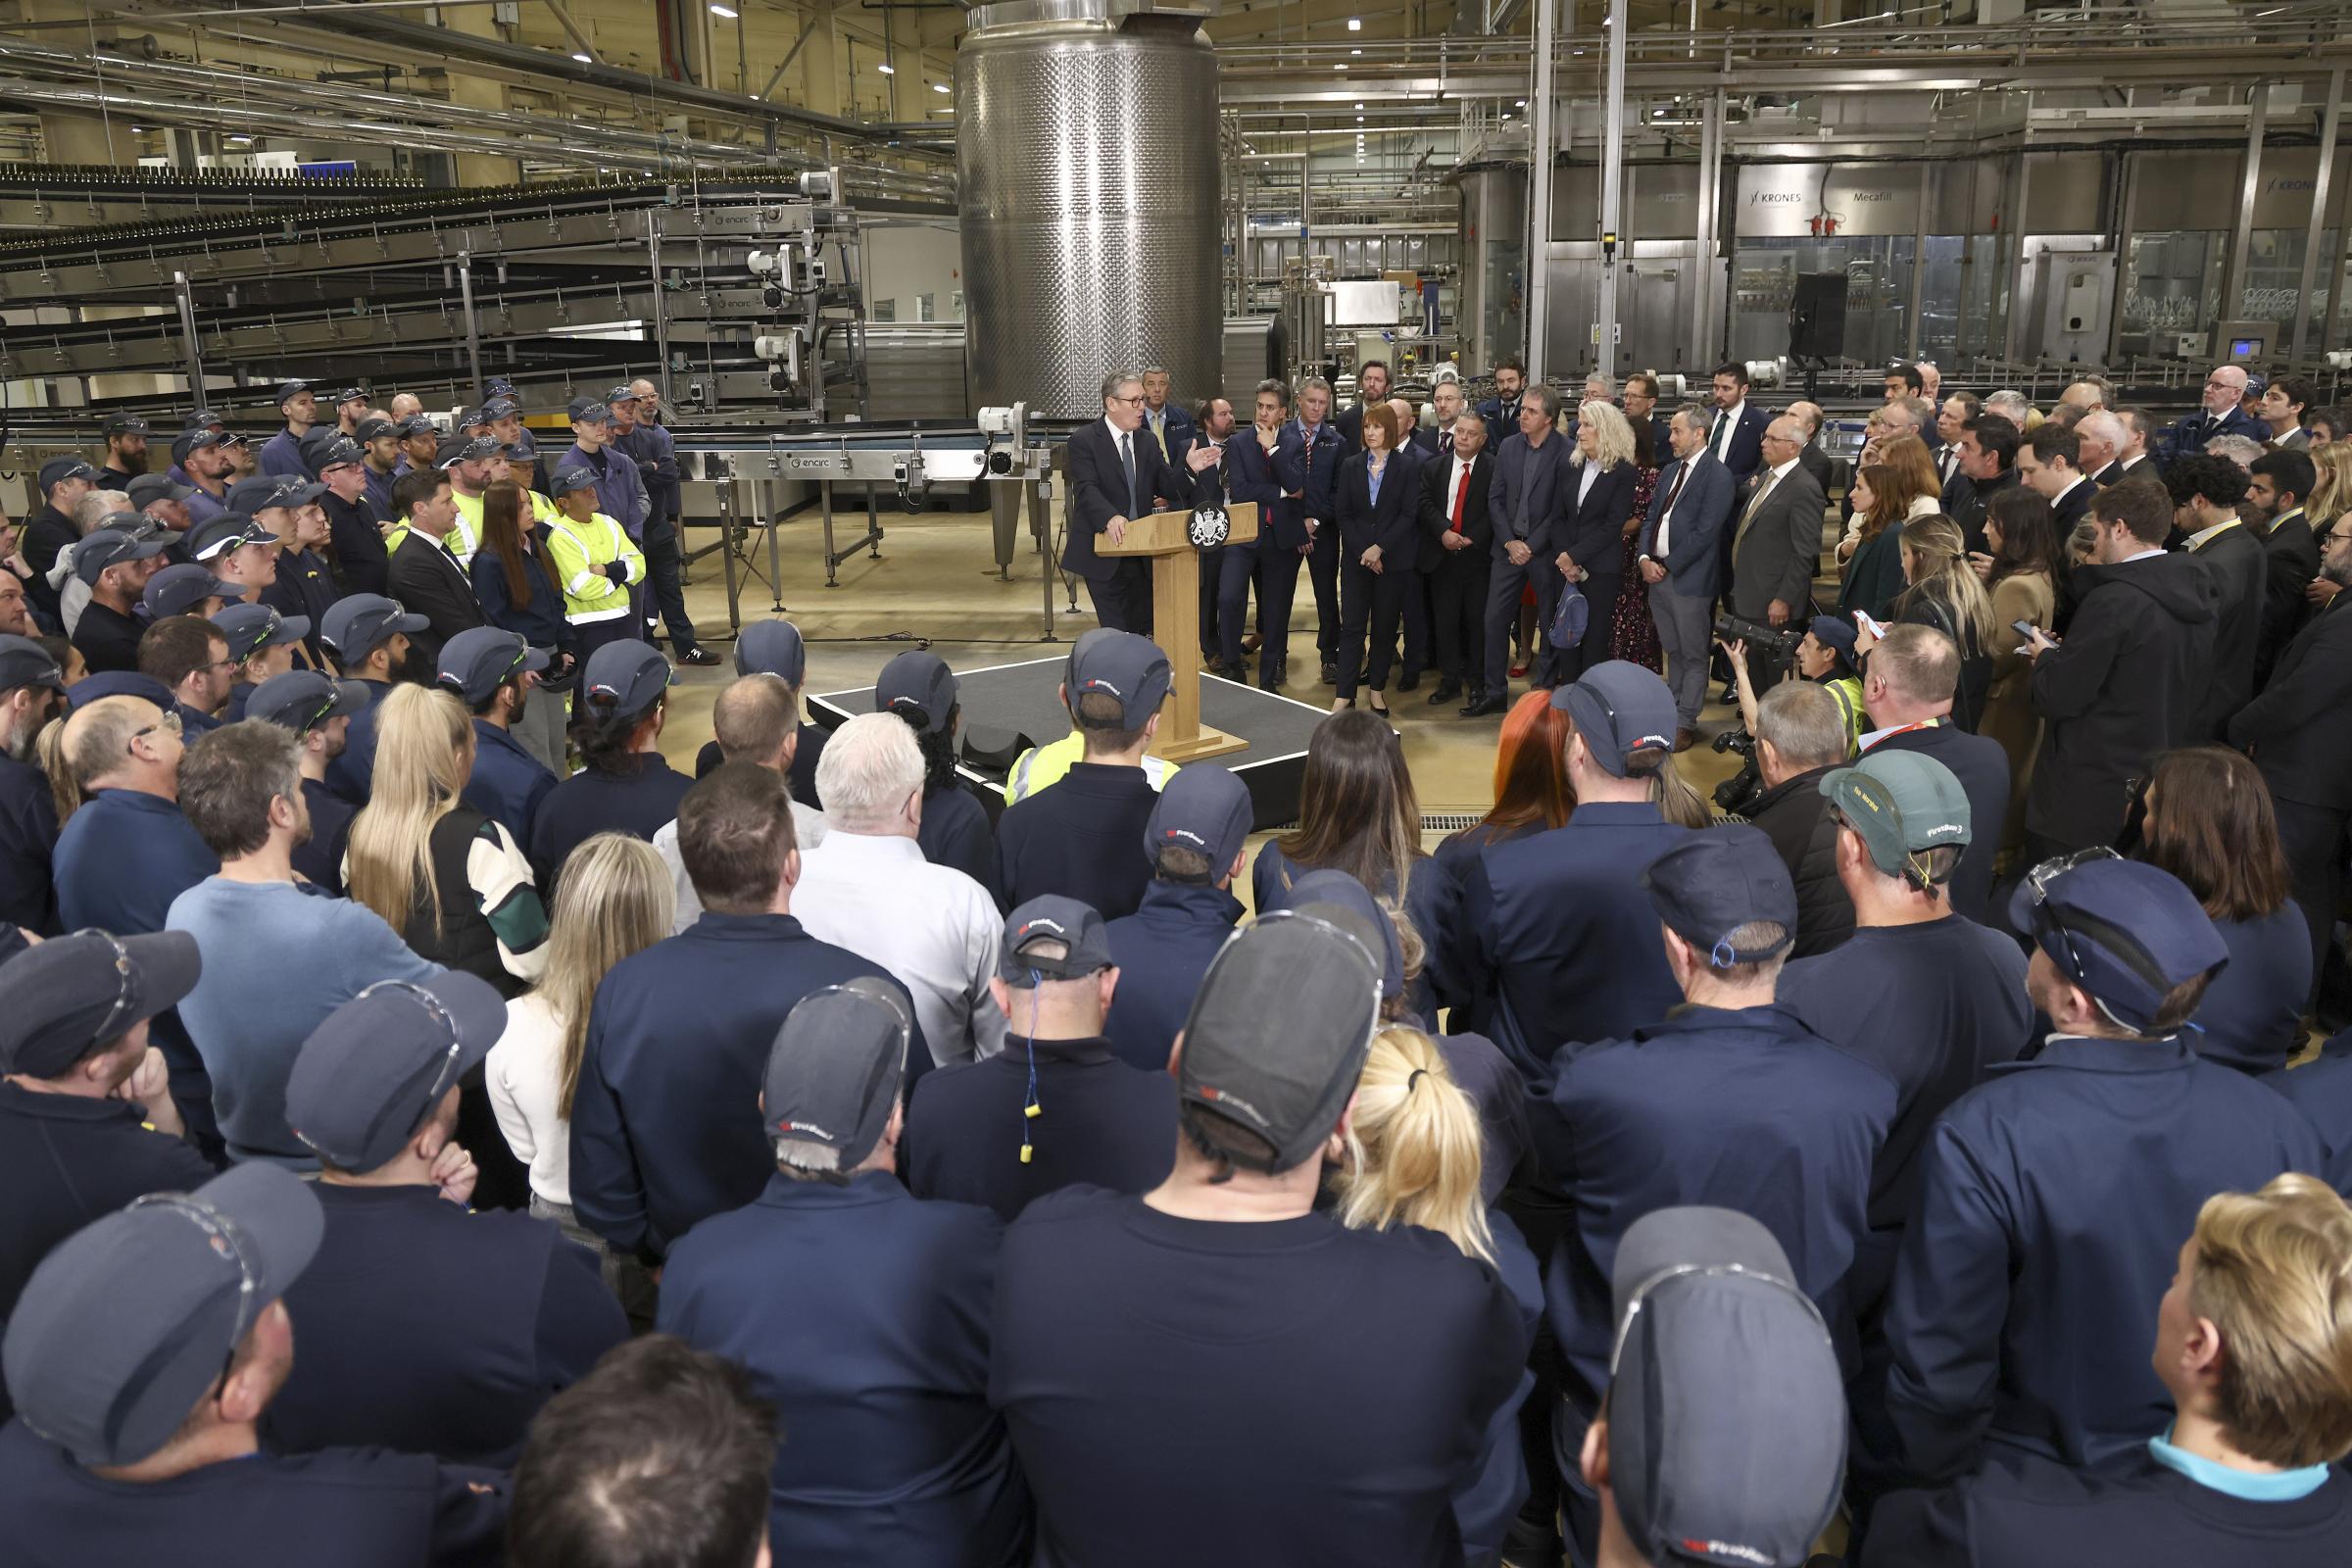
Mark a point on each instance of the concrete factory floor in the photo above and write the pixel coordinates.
(936, 582)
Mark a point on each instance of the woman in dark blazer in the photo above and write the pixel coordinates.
(1380, 504)
(1601, 479)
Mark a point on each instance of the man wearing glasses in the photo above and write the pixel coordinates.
(2054, 1194)
(1118, 475)
(2296, 734)
(2218, 413)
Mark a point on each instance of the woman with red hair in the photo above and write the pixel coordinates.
(1530, 783)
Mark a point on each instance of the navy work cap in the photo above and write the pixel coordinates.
(57, 470)
(497, 409)
(479, 660)
(302, 700)
(201, 420)
(63, 999)
(769, 648)
(2126, 932)
(624, 678)
(620, 394)
(118, 683)
(124, 424)
(111, 547)
(375, 429)
(471, 419)
(217, 537)
(566, 480)
(498, 386)
(25, 662)
(920, 685)
(1727, 1411)
(182, 589)
(1619, 708)
(1124, 665)
(1203, 808)
(473, 451)
(263, 491)
(1341, 899)
(355, 624)
(833, 1073)
(417, 424)
(288, 391)
(1836, 633)
(149, 488)
(341, 452)
(590, 411)
(1712, 883)
(252, 627)
(1278, 1032)
(1050, 917)
(127, 1325)
(351, 394)
(370, 1074)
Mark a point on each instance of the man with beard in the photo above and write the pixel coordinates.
(2295, 733)
(209, 458)
(317, 708)
(368, 638)
(126, 451)
(32, 689)
(1501, 411)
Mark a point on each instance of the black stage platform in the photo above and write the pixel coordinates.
(1001, 698)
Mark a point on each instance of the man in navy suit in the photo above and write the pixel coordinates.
(1211, 426)
(1736, 437)
(1681, 561)
(1265, 463)
(1173, 429)
(1321, 450)
(1371, 386)
(1116, 475)
(1501, 411)
(1457, 550)
(1531, 481)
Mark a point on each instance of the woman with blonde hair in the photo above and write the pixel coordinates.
(614, 899)
(1413, 1159)
(1603, 478)
(1946, 593)
(2332, 490)
(452, 881)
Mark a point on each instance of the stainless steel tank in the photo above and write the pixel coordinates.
(1089, 215)
(1494, 279)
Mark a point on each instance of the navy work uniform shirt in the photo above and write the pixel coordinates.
(508, 782)
(306, 587)
(955, 833)
(2052, 1208)
(862, 1316)
(429, 1330)
(122, 859)
(321, 858)
(2149, 1515)
(1100, 1122)
(1162, 951)
(1555, 934)
(27, 838)
(665, 1125)
(640, 801)
(353, 1507)
(2322, 1089)
(353, 773)
(1081, 837)
(1324, 1394)
(65, 1161)
(1742, 1108)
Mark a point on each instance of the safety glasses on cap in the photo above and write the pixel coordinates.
(2044, 877)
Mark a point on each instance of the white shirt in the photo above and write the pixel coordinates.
(2145, 554)
(525, 1073)
(934, 928)
(807, 831)
(1657, 546)
(1720, 446)
(1455, 472)
(1586, 480)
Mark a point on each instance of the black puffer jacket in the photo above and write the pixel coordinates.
(1795, 815)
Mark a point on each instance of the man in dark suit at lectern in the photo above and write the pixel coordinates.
(1116, 475)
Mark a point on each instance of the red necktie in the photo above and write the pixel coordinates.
(1461, 494)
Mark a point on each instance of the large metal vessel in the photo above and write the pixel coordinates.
(1089, 207)
(1492, 314)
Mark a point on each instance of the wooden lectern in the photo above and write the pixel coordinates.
(1165, 538)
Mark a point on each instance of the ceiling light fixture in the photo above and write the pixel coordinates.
(887, 69)
(939, 86)
(583, 60)
(719, 10)
(1355, 23)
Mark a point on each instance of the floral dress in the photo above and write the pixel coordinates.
(1633, 635)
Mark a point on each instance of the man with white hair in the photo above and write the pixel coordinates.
(2241, 450)
(867, 888)
(2100, 436)
(2218, 413)
(2010, 404)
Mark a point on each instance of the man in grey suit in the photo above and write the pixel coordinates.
(1776, 539)
(1680, 553)
(1524, 499)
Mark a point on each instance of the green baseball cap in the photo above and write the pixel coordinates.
(1900, 804)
